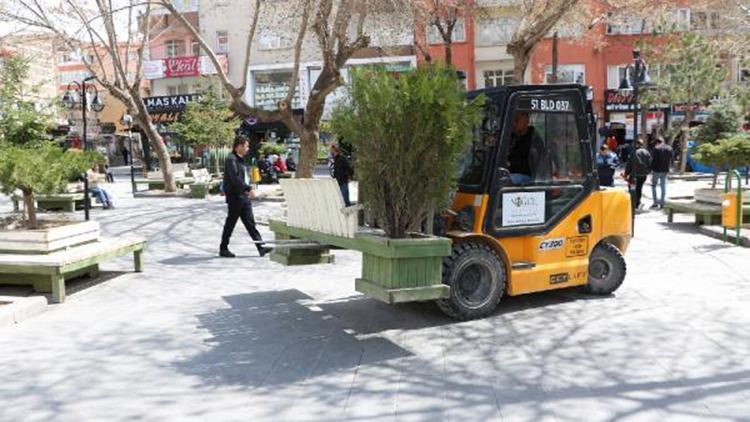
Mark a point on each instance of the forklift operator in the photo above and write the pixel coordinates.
(528, 158)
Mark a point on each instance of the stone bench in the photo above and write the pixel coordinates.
(48, 272)
(59, 201)
(708, 214)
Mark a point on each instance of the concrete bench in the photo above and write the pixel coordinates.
(315, 211)
(708, 214)
(59, 201)
(48, 272)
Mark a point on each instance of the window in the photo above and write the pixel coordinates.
(175, 48)
(623, 23)
(73, 76)
(222, 42)
(567, 74)
(743, 73)
(269, 40)
(459, 33)
(69, 57)
(546, 156)
(495, 31)
(615, 75)
(171, 90)
(272, 87)
(493, 78)
(704, 20)
(683, 19)
(196, 48)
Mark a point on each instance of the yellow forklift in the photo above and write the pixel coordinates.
(528, 213)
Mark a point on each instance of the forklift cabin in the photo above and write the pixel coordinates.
(528, 214)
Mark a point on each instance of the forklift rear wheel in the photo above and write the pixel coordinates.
(606, 270)
(476, 276)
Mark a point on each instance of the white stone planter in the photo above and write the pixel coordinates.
(716, 196)
(48, 240)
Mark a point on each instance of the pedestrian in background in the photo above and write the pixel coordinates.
(606, 164)
(342, 172)
(238, 192)
(660, 166)
(637, 170)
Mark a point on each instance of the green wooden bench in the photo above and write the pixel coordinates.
(48, 272)
(708, 214)
(60, 201)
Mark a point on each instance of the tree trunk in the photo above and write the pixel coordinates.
(684, 133)
(448, 46)
(28, 201)
(308, 154)
(157, 143)
(520, 63)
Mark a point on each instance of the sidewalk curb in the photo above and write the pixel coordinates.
(20, 309)
(717, 233)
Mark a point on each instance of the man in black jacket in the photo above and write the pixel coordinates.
(660, 163)
(238, 193)
(637, 170)
(342, 172)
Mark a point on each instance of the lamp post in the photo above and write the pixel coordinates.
(70, 100)
(636, 77)
(127, 120)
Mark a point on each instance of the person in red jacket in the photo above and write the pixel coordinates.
(279, 165)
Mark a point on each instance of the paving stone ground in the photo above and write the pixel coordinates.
(198, 338)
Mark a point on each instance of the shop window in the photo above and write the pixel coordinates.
(493, 78)
(222, 42)
(459, 33)
(567, 74)
(271, 88)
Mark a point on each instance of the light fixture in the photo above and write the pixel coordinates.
(625, 88)
(69, 99)
(96, 104)
(126, 120)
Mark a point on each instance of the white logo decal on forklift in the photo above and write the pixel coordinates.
(551, 244)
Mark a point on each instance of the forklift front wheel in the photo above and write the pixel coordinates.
(606, 270)
(476, 276)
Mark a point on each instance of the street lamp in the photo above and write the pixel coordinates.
(70, 99)
(636, 78)
(127, 120)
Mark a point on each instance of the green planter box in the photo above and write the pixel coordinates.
(199, 190)
(403, 270)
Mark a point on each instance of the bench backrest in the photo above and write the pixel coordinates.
(317, 204)
(157, 175)
(201, 175)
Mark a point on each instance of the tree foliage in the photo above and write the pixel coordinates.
(207, 122)
(408, 132)
(22, 122)
(40, 169)
(691, 74)
(724, 119)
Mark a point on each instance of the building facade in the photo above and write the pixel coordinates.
(41, 52)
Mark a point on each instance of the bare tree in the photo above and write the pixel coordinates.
(339, 29)
(443, 16)
(113, 34)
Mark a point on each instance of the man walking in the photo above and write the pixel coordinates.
(660, 163)
(238, 193)
(637, 170)
(342, 172)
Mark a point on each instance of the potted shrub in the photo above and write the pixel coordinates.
(32, 164)
(42, 169)
(731, 153)
(407, 131)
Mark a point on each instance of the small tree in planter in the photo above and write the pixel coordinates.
(724, 119)
(731, 152)
(208, 122)
(41, 169)
(408, 131)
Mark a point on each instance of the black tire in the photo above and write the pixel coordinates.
(476, 276)
(606, 270)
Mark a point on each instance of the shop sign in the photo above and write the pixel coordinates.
(177, 67)
(614, 101)
(169, 103)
